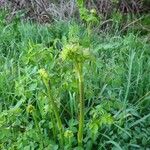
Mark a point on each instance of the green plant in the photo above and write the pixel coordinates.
(68, 137)
(31, 110)
(77, 54)
(100, 117)
(115, 93)
(45, 77)
(88, 16)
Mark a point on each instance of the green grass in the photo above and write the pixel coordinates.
(116, 89)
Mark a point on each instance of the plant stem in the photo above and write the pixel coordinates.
(53, 123)
(37, 127)
(81, 104)
(56, 113)
(89, 30)
(36, 122)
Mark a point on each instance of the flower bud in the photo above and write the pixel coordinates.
(93, 11)
(68, 134)
(30, 108)
(43, 73)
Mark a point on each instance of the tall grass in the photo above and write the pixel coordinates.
(117, 77)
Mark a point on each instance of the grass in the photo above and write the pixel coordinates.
(116, 89)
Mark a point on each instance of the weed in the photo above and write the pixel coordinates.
(104, 99)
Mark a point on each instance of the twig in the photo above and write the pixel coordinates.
(42, 6)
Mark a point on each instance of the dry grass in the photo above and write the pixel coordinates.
(48, 11)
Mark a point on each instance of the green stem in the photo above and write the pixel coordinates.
(37, 127)
(89, 29)
(81, 104)
(53, 123)
(56, 113)
(36, 122)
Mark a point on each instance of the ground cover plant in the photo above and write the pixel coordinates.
(67, 86)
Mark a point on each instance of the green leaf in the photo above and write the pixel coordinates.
(115, 144)
(80, 2)
(140, 120)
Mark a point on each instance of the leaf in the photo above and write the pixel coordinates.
(134, 145)
(123, 130)
(140, 120)
(115, 144)
(33, 86)
(80, 2)
(94, 128)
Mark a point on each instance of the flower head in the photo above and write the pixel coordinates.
(68, 134)
(43, 73)
(75, 52)
(93, 11)
(30, 108)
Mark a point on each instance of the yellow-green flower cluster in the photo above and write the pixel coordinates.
(93, 11)
(30, 108)
(45, 77)
(43, 73)
(68, 134)
(75, 52)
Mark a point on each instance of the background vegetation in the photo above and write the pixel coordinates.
(39, 52)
